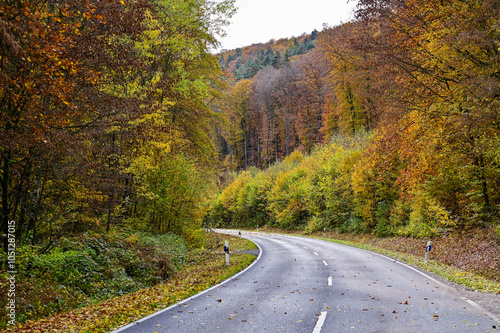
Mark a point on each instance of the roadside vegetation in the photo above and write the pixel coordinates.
(106, 282)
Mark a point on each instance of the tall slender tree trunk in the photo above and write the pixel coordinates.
(110, 211)
(246, 151)
(36, 203)
(276, 146)
(245, 143)
(287, 125)
(352, 109)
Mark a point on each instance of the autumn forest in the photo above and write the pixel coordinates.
(121, 128)
(389, 124)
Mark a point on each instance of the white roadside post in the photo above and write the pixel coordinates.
(324, 232)
(427, 250)
(226, 250)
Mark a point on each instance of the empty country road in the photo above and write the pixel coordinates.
(309, 285)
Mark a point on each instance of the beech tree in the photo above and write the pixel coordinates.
(45, 77)
(86, 85)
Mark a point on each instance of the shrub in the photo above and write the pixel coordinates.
(80, 270)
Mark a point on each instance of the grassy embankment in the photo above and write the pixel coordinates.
(186, 272)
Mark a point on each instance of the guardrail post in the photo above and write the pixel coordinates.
(428, 249)
(226, 250)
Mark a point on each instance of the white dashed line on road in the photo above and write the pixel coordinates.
(320, 322)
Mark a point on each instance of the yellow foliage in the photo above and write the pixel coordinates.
(294, 158)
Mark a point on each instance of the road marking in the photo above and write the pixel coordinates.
(330, 281)
(305, 247)
(408, 266)
(488, 313)
(320, 322)
(474, 304)
(324, 262)
(316, 253)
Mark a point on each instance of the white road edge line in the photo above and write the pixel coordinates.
(320, 322)
(324, 262)
(330, 281)
(316, 253)
(410, 267)
(488, 313)
(135, 322)
(474, 304)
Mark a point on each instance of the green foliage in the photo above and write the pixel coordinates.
(426, 218)
(286, 198)
(247, 62)
(381, 218)
(172, 191)
(92, 267)
(314, 224)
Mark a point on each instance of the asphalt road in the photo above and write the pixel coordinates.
(306, 285)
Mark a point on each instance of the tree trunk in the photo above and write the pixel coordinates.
(287, 123)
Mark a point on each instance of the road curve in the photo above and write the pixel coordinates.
(308, 285)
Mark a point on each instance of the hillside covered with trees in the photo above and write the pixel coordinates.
(389, 124)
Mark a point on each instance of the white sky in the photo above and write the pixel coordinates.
(258, 21)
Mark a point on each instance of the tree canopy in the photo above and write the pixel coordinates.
(99, 100)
